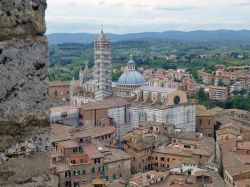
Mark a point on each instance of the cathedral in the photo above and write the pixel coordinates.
(145, 103)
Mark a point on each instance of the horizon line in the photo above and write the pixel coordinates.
(204, 30)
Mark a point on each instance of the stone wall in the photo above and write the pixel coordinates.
(24, 103)
(23, 61)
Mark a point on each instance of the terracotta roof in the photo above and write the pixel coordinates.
(60, 129)
(64, 108)
(60, 167)
(68, 144)
(227, 130)
(238, 169)
(92, 151)
(242, 183)
(215, 110)
(173, 151)
(227, 145)
(107, 103)
(231, 159)
(200, 151)
(189, 136)
(93, 132)
(116, 155)
(203, 112)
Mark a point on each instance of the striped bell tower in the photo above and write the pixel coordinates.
(102, 67)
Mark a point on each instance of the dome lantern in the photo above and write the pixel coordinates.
(131, 63)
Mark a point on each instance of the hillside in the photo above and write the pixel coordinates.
(195, 36)
(67, 58)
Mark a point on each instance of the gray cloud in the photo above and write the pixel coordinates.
(242, 4)
(176, 8)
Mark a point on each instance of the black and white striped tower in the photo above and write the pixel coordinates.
(102, 67)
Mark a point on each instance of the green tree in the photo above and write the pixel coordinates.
(202, 96)
(194, 73)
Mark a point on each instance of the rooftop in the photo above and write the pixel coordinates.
(59, 83)
(107, 103)
(116, 155)
(93, 132)
(64, 108)
(156, 89)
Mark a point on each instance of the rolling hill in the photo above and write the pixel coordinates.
(194, 36)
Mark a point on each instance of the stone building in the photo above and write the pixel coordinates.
(204, 121)
(79, 163)
(153, 146)
(59, 92)
(102, 67)
(140, 143)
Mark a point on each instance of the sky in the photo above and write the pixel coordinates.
(131, 16)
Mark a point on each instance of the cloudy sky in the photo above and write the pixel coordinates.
(127, 16)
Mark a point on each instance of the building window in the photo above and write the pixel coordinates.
(67, 184)
(78, 172)
(114, 176)
(162, 159)
(93, 170)
(84, 172)
(76, 184)
(167, 159)
(187, 146)
(81, 161)
(156, 158)
(73, 161)
(97, 160)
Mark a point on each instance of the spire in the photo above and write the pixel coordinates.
(102, 35)
(131, 57)
(87, 73)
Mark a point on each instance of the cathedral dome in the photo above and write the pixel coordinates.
(131, 77)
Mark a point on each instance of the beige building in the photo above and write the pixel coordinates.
(218, 92)
(59, 92)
